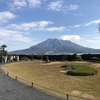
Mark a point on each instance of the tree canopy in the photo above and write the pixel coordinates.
(2, 50)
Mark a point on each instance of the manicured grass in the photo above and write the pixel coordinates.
(48, 75)
(81, 70)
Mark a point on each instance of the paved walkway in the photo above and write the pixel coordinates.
(11, 89)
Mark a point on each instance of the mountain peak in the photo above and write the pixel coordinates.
(56, 46)
(52, 39)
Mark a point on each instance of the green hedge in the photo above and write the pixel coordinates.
(81, 70)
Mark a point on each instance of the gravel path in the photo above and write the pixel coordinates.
(11, 89)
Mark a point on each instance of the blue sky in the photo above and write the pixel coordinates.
(24, 23)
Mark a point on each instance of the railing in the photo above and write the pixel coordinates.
(63, 96)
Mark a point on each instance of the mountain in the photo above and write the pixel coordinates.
(55, 46)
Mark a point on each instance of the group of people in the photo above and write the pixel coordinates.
(9, 58)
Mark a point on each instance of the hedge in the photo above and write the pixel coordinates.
(81, 70)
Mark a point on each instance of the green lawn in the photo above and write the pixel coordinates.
(81, 70)
(49, 75)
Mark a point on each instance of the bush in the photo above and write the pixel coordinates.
(81, 70)
(78, 58)
(25, 58)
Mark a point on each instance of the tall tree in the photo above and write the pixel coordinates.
(3, 52)
(3, 47)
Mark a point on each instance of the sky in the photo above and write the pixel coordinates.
(24, 23)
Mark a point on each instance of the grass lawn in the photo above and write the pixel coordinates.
(49, 75)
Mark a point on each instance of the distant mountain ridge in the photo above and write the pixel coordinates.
(52, 46)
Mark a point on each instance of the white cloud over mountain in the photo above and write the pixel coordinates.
(81, 40)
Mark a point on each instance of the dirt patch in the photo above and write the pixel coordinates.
(88, 96)
(81, 62)
(52, 63)
(76, 93)
(58, 62)
(63, 71)
(96, 65)
(80, 94)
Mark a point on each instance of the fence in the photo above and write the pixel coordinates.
(62, 96)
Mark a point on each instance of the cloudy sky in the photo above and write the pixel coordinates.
(24, 23)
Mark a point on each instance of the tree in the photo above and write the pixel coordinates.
(3, 47)
(74, 56)
(78, 58)
(3, 52)
(64, 57)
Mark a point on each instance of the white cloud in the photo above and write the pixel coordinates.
(36, 26)
(21, 38)
(30, 26)
(98, 38)
(55, 29)
(83, 41)
(14, 36)
(20, 4)
(6, 16)
(78, 25)
(15, 39)
(17, 4)
(71, 37)
(72, 7)
(44, 23)
(34, 3)
(59, 6)
(92, 22)
(92, 41)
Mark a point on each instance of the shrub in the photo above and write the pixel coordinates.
(78, 58)
(82, 70)
(25, 58)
